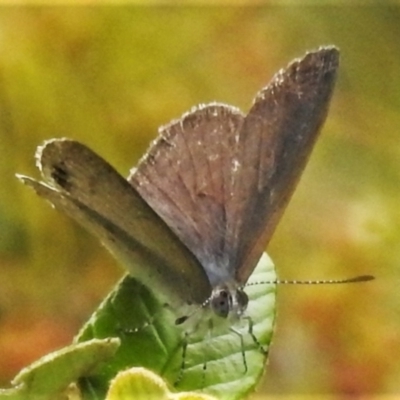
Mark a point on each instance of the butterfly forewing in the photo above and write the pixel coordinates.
(275, 142)
(87, 188)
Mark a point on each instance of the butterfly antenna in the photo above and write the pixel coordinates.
(360, 278)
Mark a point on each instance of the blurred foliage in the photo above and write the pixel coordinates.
(109, 76)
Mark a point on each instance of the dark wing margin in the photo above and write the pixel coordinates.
(275, 142)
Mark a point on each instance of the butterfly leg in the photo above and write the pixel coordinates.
(251, 333)
(183, 362)
(209, 335)
(235, 331)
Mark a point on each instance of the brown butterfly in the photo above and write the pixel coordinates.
(195, 216)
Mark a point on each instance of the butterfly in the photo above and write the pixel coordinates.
(194, 217)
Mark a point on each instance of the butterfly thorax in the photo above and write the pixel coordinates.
(228, 301)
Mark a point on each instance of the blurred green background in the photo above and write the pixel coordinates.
(109, 76)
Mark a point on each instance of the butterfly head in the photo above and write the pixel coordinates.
(228, 301)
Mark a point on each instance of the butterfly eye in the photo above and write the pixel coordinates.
(221, 302)
(242, 300)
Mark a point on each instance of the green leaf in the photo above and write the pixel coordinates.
(50, 376)
(214, 361)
